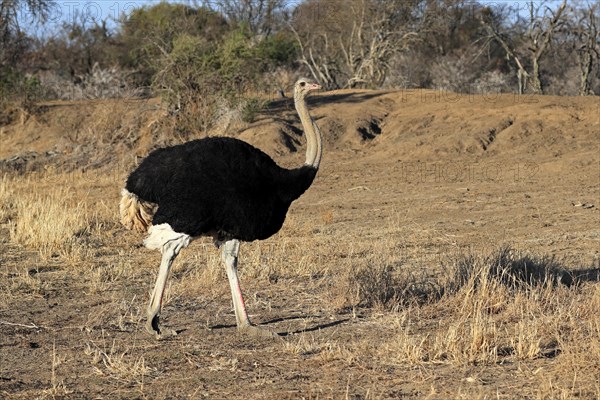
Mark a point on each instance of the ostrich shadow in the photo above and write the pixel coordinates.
(315, 327)
(282, 110)
(286, 105)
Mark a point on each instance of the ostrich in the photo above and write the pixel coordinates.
(220, 187)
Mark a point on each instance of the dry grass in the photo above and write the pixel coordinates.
(473, 312)
(110, 124)
(47, 212)
(495, 312)
(22, 283)
(58, 388)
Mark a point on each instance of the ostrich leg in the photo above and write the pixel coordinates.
(230, 257)
(169, 250)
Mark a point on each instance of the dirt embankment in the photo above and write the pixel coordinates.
(410, 125)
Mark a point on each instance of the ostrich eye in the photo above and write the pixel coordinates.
(302, 84)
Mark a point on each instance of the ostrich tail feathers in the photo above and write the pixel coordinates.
(136, 214)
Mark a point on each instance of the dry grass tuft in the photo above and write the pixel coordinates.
(200, 267)
(382, 283)
(6, 199)
(102, 277)
(58, 388)
(50, 223)
(118, 364)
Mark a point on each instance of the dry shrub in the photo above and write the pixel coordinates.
(112, 127)
(452, 73)
(385, 276)
(199, 115)
(492, 82)
(99, 83)
(374, 285)
(383, 284)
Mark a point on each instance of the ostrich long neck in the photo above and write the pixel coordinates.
(314, 146)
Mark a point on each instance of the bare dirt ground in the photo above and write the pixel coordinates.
(361, 281)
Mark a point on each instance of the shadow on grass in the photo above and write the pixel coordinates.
(389, 286)
(586, 275)
(518, 271)
(287, 104)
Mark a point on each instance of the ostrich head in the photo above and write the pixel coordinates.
(303, 87)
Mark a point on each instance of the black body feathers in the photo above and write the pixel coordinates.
(219, 185)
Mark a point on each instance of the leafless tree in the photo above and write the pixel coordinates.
(541, 26)
(539, 33)
(261, 16)
(378, 31)
(316, 25)
(349, 43)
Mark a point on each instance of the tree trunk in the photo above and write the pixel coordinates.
(522, 81)
(588, 51)
(586, 69)
(536, 83)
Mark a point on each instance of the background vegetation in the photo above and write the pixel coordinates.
(210, 59)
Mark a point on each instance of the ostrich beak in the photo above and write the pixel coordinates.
(314, 86)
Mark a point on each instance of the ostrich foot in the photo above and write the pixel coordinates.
(152, 327)
(255, 331)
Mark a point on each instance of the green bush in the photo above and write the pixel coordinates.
(251, 109)
(151, 32)
(201, 66)
(279, 50)
(201, 79)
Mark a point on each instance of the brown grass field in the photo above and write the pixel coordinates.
(448, 249)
